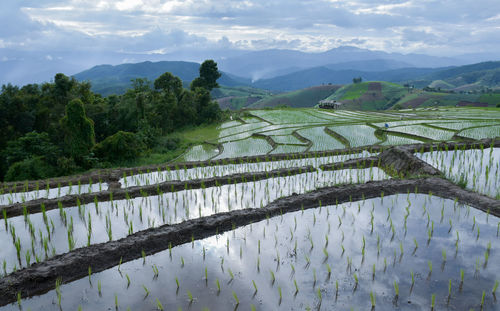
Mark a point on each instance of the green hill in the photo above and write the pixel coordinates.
(430, 99)
(238, 97)
(369, 95)
(108, 79)
(308, 97)
(465, 78)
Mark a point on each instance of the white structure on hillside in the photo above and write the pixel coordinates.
(329, 104)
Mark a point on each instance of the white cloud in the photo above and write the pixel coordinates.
(165, 26)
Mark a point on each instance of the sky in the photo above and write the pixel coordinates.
(93, 29)
(163, 26)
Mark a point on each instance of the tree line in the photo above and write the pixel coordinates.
(62, 127)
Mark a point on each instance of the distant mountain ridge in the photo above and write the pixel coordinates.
(108, 79)
(262, 64)
(323, 75)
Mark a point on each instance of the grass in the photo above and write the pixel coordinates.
(349, 92)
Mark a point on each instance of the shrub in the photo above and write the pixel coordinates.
(397, 107)
(122, 146)
(29, 169)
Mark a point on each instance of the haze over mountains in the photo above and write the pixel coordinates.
(30, 67)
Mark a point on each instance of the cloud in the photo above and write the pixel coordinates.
(173, 26)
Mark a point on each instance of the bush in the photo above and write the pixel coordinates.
(122, 146)
(397, 107)
(29, 169)
(498, 105)
(148, 134)
(166, 144)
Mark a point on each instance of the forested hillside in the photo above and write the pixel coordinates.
(63, 127)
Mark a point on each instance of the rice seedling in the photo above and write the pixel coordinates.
(159, 306)
(58, 291)
(90, 274)
(433, 301)
(236, 298)
(494, 290)
(146, 290)
(19, 300)
(155, 271)
(373, 299)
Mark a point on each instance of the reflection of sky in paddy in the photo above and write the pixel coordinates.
(145, 212)
(18, 197)
(471, 166)
(345, 224)
(152, 178)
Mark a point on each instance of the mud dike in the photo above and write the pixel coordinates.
(410, 175)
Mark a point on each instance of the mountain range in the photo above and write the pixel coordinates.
(34, 67)
(107, 79)
(271, 63)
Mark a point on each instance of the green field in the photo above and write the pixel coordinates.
(297, 99)
(298, 130)
(369, 95)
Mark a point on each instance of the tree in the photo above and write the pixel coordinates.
(122, 146)
(29, 169)
(31, 145)
(79, 137)
(209, 74)
(167, 82)
(357, 80)
(398, 106)
(206, 109)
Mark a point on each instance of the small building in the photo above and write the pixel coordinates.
(329, 104)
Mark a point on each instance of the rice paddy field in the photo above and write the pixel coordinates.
(330, 130)
(280, 212)
(476, 169)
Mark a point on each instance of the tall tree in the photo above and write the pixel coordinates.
(79, 137)
(209, 73)
(167, 82)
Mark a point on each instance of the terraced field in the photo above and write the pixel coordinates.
(280, 215)
(357, 135)
(424, 131)
(324, 130)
